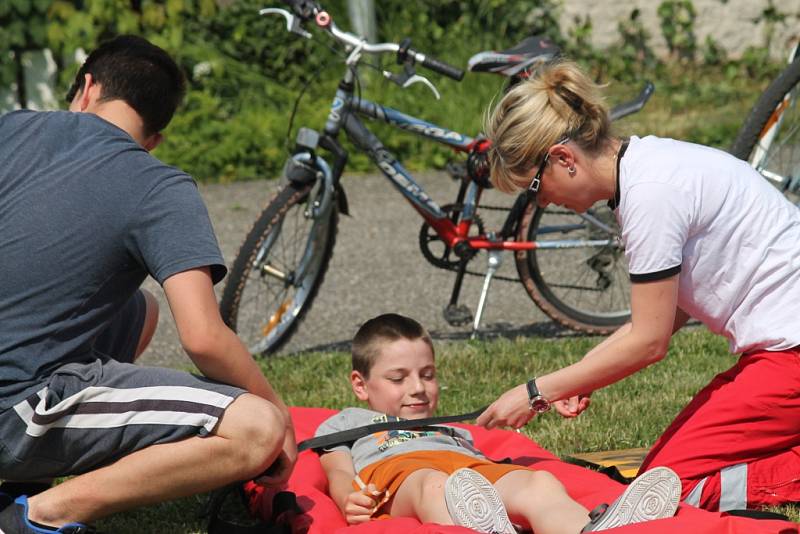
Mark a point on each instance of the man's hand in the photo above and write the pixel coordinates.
(360, 505)
(511, 409)
(573, 406)
(280, 470)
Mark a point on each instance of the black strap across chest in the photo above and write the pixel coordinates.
(353, 434)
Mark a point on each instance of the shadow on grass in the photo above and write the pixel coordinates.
(544, 329)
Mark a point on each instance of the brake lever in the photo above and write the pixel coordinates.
(409, 77)
(292, 22)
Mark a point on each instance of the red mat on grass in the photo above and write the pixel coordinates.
(589, 488)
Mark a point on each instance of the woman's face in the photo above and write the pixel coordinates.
(561, 189)
(577, 191)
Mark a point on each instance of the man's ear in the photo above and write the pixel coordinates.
(153, 141)
(359, 384)
(83, 98)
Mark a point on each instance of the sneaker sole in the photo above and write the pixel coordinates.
(474, 503)
(653, 495)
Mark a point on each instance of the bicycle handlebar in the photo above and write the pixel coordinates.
(443, 68)
(309, 9)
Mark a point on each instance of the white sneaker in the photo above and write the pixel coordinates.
(653, 495)
(474, 503)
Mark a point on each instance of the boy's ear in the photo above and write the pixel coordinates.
(359, 384)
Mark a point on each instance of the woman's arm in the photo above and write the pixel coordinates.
(654, 316)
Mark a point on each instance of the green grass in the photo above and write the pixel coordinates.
(631, 413)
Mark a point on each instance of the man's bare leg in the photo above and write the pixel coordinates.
(150, 322)
(246, 441)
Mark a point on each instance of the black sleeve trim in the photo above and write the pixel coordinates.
(659, 275)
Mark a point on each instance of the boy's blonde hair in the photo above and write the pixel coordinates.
(558, 102)
(378, 332)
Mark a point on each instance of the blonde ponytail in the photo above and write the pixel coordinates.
(559, 101)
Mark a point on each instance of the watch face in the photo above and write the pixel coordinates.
(540, 405)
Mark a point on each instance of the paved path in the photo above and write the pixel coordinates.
(376, 268)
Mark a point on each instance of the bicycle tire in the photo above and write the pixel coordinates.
(554, 277)
(781, 158)
(265, 327)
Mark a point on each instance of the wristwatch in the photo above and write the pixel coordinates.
(536, 401)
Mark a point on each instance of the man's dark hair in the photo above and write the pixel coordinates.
(132, 69)
(376, 333)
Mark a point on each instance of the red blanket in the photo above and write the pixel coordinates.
(589, 488)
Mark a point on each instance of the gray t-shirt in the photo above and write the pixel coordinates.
(382, 445)
(85, 215)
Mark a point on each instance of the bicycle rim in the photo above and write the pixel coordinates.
(770, 138)
(578, 274)
(281, 266)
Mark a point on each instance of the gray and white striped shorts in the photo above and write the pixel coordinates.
(90, 415)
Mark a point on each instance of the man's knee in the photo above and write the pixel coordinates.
(256, 429)
(150, 322)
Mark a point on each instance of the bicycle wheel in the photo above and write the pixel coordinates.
(770, 137)
(279, 269)
(577, 274)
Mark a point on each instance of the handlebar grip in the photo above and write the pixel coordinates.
(443, 68)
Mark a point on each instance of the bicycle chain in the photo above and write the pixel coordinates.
(475, 273)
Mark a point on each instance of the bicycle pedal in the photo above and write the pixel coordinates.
(457, 315)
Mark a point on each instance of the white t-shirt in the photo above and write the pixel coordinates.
(733, 237)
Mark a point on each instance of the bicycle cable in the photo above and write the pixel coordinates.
(306, 85)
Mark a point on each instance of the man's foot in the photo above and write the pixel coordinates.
(653, 495)
(473, 502)
(14, 520)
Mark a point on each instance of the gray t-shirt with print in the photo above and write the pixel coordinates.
(376, 447)
(85, 215)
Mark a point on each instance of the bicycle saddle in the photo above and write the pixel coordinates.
(525, 56)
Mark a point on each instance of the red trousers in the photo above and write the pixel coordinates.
(737, 444)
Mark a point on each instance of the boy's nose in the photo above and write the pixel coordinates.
(417, 386)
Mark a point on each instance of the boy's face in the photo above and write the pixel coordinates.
(402, 382)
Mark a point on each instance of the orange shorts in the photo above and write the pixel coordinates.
(387, 475)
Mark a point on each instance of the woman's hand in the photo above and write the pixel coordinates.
(360, 505)
(573, 406)
(511, 409)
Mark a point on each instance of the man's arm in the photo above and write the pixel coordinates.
(214, 348)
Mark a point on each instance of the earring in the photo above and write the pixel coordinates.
(572, 170)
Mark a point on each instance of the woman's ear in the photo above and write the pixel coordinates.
(359, 384)
(563, 155)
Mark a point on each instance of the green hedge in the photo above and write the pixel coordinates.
(246, 71)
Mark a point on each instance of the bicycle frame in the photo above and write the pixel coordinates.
(344, 114)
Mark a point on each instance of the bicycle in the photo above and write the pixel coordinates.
(283, 260)
(767, 139)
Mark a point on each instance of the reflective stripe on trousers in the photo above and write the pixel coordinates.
(733, 493)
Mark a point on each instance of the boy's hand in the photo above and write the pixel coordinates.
(360, 505)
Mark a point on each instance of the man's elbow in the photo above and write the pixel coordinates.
(202, 342)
